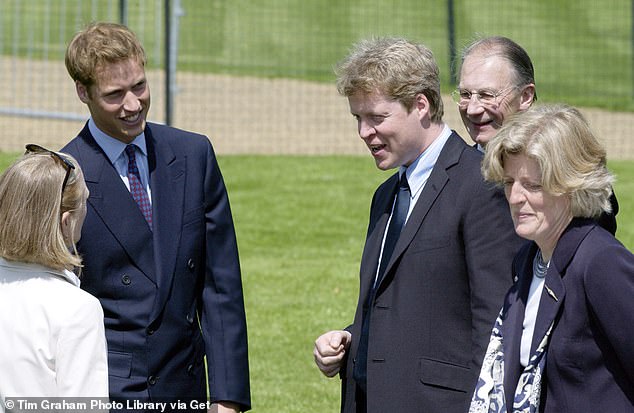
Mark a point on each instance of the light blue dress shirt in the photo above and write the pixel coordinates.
(417, 175)
(115, 151)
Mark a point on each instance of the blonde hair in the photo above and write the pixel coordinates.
(570, 158)
(96, 46)
(31, 208)
(395, 67)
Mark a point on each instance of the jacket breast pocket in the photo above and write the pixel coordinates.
(119, 364)
(193, 216)
(428, 244)
(446, 375)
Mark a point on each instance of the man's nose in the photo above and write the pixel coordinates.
(131, 102)
(365, 130)
(474, 106)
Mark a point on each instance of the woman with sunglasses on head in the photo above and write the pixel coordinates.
(52, 332)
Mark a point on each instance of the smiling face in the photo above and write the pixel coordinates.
(537, 215)
(393, 135)
(492, 75)
(119, 100)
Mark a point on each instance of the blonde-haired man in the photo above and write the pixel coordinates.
(439, 244)
(159, 244)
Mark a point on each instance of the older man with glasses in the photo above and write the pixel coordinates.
(497, 79)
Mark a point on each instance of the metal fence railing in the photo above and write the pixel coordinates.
(256, 76)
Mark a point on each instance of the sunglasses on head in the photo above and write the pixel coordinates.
(66, 164)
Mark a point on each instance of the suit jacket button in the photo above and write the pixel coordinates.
(190, 319)
(191, 264)
(152, 380)
(126, 280)
(149, 331)
(190, 369)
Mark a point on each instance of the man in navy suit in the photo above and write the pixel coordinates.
(158, 244)
(426, 308)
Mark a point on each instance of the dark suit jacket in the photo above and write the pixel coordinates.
(172, 295)
(444, 286)
(589, 291)
(608, 220)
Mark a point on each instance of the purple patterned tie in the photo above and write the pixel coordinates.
(136, 188)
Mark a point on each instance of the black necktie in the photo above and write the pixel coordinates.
(399, 215)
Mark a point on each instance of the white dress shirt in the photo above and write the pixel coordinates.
(52, 339)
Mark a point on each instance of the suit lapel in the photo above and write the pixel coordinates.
(108, 197)
(167, 175)
(378, 223)
(554, 292)
(448, 157)
(549, 305)
(549, 308)
(514, 320)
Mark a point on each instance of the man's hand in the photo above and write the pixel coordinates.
(224, 407)
(330, 349)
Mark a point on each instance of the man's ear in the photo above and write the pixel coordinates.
(527, 97)
(421, 104)
(82, 91)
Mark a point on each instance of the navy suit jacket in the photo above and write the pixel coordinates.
(172, 295)
(589, 294)
(442, 290)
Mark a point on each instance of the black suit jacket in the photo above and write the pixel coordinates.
(172, 295)
(444, 286)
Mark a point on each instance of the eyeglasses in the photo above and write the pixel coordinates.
(66, 164)
(488, 98)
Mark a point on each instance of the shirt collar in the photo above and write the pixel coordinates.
(114, 147)
(420, 169)
(66, 275)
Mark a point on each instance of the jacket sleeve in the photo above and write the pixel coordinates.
(609, 286)
(81, 363)
(223, 319)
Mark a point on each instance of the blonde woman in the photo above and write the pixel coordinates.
(53, 341)
(563, 340)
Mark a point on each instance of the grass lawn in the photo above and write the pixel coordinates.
(624, 190)
(301, 223)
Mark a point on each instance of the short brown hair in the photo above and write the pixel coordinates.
(395, 67)
(100, 44)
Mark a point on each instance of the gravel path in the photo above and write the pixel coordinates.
(240, 115)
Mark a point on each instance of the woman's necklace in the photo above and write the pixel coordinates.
(539, 266)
